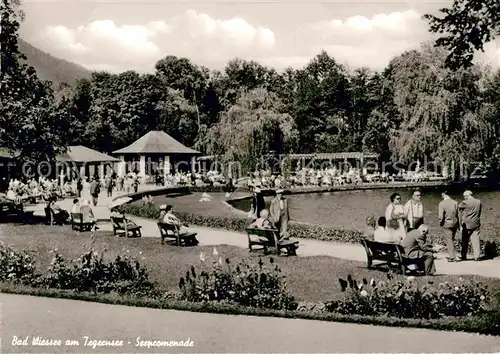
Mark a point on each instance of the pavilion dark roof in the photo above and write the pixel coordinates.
(83, 154)
(156, 142)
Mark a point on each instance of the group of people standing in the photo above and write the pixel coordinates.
(404, 224)
(276, 217)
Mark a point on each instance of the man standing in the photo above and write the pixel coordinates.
(470, 222)
(95, 189)
(258, 203)
(415, 246)
(414, 211)
(448, 219)
(279, 213)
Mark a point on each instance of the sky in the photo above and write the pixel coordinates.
(133, 35)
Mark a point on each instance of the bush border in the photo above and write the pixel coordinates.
(486, 324)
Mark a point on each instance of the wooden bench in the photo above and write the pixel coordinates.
(268, 238)
(77, 223)
(170, 231)
(124, 227)
(53, 218)
(392, 255)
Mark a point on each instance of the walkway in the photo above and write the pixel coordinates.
(208, 236)
(56, 319)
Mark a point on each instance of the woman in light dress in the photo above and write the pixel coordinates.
(395, 217)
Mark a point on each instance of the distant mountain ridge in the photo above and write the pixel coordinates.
(48, 67)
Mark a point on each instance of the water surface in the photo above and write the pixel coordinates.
(349, 209)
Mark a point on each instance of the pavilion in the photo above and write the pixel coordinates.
(160, 151)
(86, 161)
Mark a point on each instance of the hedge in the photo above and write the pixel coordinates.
(295, 229)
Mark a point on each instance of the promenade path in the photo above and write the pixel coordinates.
(209, 236)
(56, 319)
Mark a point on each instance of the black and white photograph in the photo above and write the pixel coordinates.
(250, 176)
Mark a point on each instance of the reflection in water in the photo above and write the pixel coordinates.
(349, 209)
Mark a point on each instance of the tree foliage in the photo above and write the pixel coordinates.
(465, 27)
(252, 127)
(416, 107)
(31, 121)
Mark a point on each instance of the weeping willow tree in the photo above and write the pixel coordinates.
(254, 125)
(443, 117)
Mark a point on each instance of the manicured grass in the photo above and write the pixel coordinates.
(308, 278)
(190, 203)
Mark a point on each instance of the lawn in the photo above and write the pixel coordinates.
(308, 278)
(191, 204)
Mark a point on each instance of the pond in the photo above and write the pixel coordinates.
(349, 209)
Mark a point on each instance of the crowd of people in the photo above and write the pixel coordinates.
(328, 177)
(404, 224)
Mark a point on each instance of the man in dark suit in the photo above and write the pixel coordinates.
(448, 219)
(416, 246)
(95, 189)
(258, 202)
(470, 221)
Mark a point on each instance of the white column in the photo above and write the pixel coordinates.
(121, 166)
(101, 171)
(142, 166)
(82, 172)
(166, 168)
(193, 164)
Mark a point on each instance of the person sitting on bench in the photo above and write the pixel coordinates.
(382, 235)
(263, 221)
(171, 219)
(59, 213)
(163, 211)
(416, 246)
(76, 207)
(88, 214)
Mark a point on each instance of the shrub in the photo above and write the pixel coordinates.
(243, 284)
(406, 299)
(91, 272)
(17, 267)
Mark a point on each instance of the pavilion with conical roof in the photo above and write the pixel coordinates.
(154, 152)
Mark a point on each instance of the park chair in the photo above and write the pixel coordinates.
(123, 227)
(53, 218)
(269, 238)
(171, 231)
(392, 255)
(77, 223)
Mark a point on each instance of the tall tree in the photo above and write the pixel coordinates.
(465, 27)
(254, 125)
(29, 116)
(441, 116)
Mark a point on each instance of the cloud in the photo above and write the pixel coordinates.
(195, 35)
(362, 41)
(373, 42)
(356, 41)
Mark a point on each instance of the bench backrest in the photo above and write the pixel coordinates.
(270, 234)
(165, 228)
(384, 251)
(118, 222)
